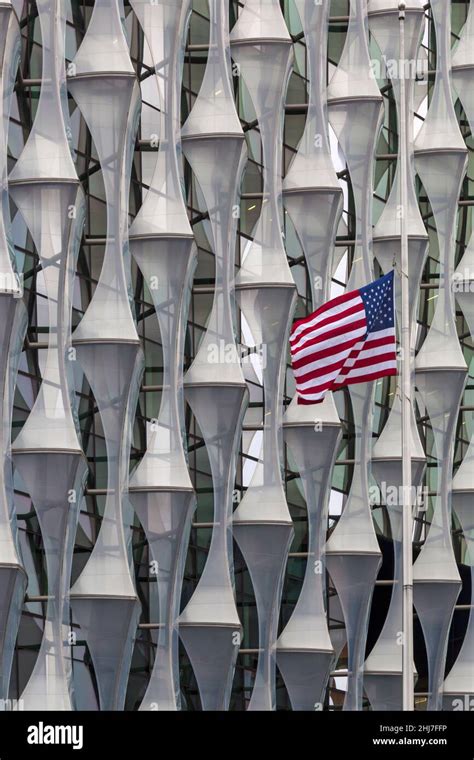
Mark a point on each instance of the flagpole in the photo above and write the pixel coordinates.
(407, 667)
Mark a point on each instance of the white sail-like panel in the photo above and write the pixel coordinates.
(458, 687)
(313, 198)
(13, 321)
(214, 145)
(103, 598)
(383, 667)
(463, 65)
(304, 650)
(462, 78)
(311, 192)
(384, 25)
(440, 157)
(353, 554)
(12, 572)
(47, 453)
(261, 46)
(161, 241)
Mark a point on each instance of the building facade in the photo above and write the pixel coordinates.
(181, 180)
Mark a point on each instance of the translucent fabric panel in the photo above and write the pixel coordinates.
(214, 159)
(260, 20)
(440, 158)
(355, 114)
(440, 129)
(435, 572)
(261, 48)
(167, 263)
(212, 651)
(214, 111)
(463, 65)
(45, 207)
(12, 593)
(313, 198)
(458, 684)
(110, 106)
(436, 577)
(105, 585)
(350, 80)
(440, 138)
(54, 481)
(262, 523)
(304, 650)
(383, 667)
(163, 211)
(218, 410)
(353, 555)
(462, 77)
(387, 450)
(352, 552)
(354, 577)
(356, 123)
(103, 84)
(337, 631)
(214, 145)
(442, 174)
(46, 191)
(315, 214)
(56, 470)
(113, 372)
(165, 517)
(384, 690)
(47, 153)
(464, 478)
(312, 167)
(104, 87)
(108, 624)
(9, 59)
(161, 242)
(267, 310)
(47, 453)
(265, 548)
(312, 194)
(434, 603)
(13, 321)
(458, 687)
(104, 47)
(384, 25)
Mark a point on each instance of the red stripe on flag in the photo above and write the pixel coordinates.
(358, 308)
(325, 307)
(331, 348)
(367, 378)
(335, 333)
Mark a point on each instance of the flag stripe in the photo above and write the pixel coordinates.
(369, 376)
(317, 370)
(350, 339)
(340, 317)
(315, 398)
(307, 366)
(333, 305)
(332, 338)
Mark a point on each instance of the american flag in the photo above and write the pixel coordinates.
(350, 339)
